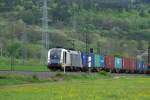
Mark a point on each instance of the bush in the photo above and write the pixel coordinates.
(59, 75)
(104, 73)
(35, 78)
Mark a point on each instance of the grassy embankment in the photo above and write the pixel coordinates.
(24, 68)
(77, 87)
(29, 65)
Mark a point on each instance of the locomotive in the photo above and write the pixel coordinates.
(60, 58)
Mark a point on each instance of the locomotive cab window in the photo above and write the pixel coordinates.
(55, 54)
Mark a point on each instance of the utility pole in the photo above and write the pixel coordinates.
(24, 44)
(98, 48)
(74, 22)
(12, 51)
(45, 35)
(24, 49)
(86, 44)
(149, 54)
(1, 49)
(86, 28)
(73, 43)
(45, 25)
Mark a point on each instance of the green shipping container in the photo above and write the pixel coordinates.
(97, 57)
(118, 63)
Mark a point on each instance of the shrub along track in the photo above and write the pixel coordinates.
(41, 74)
(48, 74)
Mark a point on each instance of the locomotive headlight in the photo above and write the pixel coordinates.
(48, 61)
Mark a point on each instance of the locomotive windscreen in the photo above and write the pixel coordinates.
(55, 54)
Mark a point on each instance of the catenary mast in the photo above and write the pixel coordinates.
(45, 35)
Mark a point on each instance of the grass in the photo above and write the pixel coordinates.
(18, 64)
(81, 87)
(12, 79)
(24, 68)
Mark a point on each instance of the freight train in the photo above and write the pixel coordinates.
(59, 58)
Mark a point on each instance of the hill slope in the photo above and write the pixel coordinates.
(118, 27)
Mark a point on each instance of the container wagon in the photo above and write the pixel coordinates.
(140, 66)
(132, 67)
(118, 64)
(109, 63)
(125, 64)
(102, 61)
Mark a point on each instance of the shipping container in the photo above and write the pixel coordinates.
(125, 63)
(140, 65)
(97, 63)
(118, 63)
(132, 66)
(145, 67)
(92, 59)
(109, 62)
(84, 59)
(102, 61)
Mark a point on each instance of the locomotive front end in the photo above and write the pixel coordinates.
(54, 58)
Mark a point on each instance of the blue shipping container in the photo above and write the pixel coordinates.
(140, 65)
(84, 59)
(145, 67)
(102, 61)
(118, 63)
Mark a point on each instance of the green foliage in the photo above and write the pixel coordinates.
(103, 73)
(13, 48)
(35, 78)
(113, 26)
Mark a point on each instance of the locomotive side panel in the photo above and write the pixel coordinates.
(76, 60)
